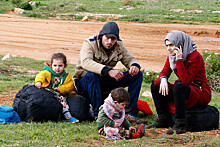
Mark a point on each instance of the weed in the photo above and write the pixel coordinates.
(212, 65)
(81, 9)
(149, 76)
(16, 2)
(25, 6)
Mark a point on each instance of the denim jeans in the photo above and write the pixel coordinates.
(97, 88)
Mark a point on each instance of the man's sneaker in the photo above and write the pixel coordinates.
(73, 120)
(133, 118)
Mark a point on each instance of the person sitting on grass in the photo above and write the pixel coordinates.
(112, 122)
(95, 75)
(55, 79)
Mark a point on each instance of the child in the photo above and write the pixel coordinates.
(112, 122)
(58, 81)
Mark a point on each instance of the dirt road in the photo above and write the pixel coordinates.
(38, 39)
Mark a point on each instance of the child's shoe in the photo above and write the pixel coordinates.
(137, 134)
(73, 120)
(142, 129)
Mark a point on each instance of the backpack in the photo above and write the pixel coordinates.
(38, 105)
(8, 115)
(202, 118)
(79, 107)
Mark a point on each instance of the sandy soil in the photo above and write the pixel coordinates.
(39, 39)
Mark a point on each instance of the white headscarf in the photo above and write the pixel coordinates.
(179, 38)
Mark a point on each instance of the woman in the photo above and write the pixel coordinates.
(189, 90)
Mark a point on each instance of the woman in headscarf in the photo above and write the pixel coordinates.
(189, 90)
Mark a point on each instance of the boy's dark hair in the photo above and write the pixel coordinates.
(120, 95)
(59, 56)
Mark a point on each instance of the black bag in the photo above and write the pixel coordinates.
(79, 107)
(33, 104)
(202, 118)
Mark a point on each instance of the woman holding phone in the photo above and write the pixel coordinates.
(189, 90)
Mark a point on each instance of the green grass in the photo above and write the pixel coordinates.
(144, 10)
(20, 71)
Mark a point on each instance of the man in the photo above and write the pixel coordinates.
(94, 73)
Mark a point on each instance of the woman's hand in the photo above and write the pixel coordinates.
(164, 87)
(178, 52)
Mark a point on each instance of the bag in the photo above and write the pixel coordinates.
(8, 115)
(38, 105)
(202, 118)
(79, 107)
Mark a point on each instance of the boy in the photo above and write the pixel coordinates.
(111, 117)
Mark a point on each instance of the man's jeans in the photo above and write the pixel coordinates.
(97, 88)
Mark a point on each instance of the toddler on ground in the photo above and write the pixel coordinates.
(112, 122)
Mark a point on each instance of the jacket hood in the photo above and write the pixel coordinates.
(110, 28)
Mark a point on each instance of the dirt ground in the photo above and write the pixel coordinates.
(39, 39)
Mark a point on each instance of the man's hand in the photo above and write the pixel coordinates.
(116, 74)
(38, 85)
(133, 70)
(164, 87)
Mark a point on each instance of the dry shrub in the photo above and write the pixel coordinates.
(127, 2)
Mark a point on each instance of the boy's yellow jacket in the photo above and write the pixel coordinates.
(66, 88)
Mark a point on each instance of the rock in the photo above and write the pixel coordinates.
(85, 18)
(147, 94)
(131, 8)
(215, 11)
(7, 57)
(19, 11)
(217, 34)
(177, 10)
(32, 3)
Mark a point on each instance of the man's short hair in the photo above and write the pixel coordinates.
(120, 95)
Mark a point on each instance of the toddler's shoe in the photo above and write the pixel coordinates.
(137, 134)
(142, 129)
(73, 120)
